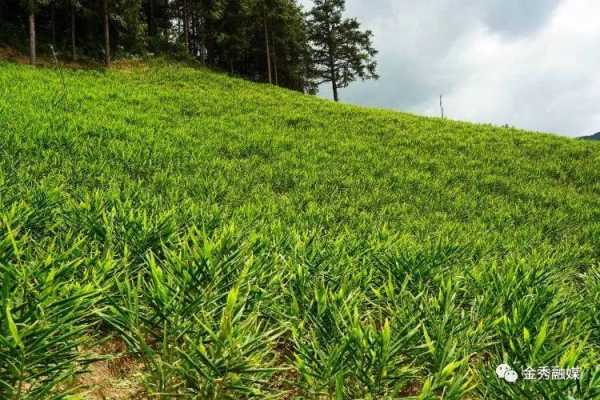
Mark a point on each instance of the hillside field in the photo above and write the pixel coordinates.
(169, 232)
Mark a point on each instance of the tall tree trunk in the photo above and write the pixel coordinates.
(335, 90)
(268, 51)
(333, 73)
(53, 23)
(275, 66)
(151, 24)
(193, 25)
(332, 69)
(73, 33)
(186, 26)
(199, 43)
(106, 35)
(32, 43)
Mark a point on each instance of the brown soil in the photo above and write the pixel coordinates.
(116, 378)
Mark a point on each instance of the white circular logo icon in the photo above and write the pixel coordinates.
(501, 370)
(504, 371)
(511, 376)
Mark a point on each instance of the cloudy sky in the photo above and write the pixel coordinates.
(534, 64)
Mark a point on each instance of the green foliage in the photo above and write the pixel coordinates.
(47, 317)
(340, 51)
(231, 35)
(244, 241)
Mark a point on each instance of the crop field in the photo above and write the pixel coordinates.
(169, 232)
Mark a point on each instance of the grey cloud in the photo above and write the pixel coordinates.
(517, 17)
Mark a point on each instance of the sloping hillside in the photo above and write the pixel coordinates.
(215, 238)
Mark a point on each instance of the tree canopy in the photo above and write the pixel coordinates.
(341, 52)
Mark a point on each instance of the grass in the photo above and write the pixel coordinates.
(242, 241)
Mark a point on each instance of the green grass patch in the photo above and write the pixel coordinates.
(246, 241)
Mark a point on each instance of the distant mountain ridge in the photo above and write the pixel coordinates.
(595, 136)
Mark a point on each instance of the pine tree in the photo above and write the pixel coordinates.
(341, 52)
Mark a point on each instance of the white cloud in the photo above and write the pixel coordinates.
(548, 80)
(533, 64)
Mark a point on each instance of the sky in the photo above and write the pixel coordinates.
(532, 64)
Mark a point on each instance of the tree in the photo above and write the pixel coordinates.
(341, 52)
(186, 25)
(267, 49)
(288, 49)
(262, 40)
(31, 10)
(73, 5)
(106, 33)
(272, 13)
